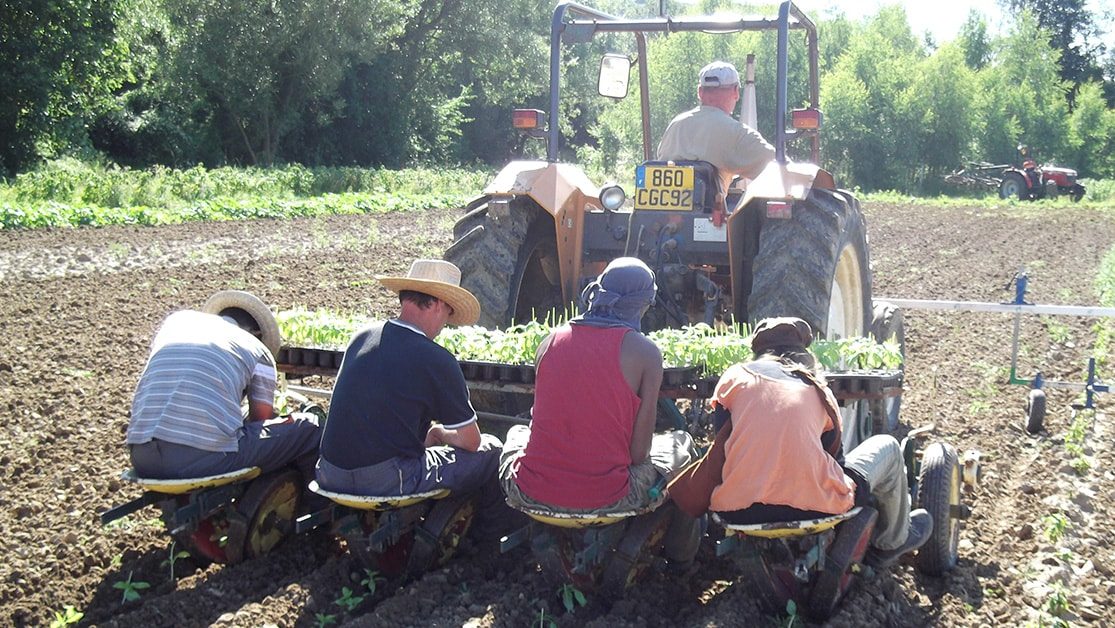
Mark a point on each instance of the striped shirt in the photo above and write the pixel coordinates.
(200, 369)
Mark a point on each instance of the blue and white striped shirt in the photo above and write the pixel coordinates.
(200, 368)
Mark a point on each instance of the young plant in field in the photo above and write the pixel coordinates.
(348, 600)
(791, 619)
(321, 620)
(131, 588)
(174, 558)
(65, 617)
(371, 580)
(571, 597)
(1055, 524)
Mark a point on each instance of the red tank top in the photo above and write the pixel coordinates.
(583, 416)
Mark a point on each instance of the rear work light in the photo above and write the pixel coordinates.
(805, 118)
(528, 119)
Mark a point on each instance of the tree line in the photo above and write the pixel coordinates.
(397, 82)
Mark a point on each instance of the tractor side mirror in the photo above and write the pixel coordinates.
(615, 72)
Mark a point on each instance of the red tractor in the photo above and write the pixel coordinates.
(1032, 182)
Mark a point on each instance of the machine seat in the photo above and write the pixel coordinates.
(783, 529)
(380, 503)
(180, 486)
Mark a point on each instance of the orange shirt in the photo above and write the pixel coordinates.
(774, 454)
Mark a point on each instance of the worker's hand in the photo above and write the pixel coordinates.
(435, 436)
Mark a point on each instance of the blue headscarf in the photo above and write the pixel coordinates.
(618, 295)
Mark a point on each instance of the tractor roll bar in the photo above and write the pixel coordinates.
(579, 23)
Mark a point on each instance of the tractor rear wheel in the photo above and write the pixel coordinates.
(1013, 186)
(510, 263)
(815, 266)
(887, 323)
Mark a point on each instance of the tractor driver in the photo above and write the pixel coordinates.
(780, 456)
(710, 133)
(591, 447)
(186, 418)
(400, 420)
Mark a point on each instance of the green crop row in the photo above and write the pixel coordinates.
(70, 193)
(712, 349)
(1105, 327)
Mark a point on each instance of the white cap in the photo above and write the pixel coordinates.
(718, 74)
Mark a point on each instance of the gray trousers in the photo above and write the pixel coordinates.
(670, 452)
(879, 459)
(268, 446)
(443, 467)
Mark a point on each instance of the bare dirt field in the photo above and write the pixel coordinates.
(79, 307)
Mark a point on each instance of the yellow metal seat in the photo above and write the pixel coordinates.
(783, 529)
(370, 502)
(179, 486)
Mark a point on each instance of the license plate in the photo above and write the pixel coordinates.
(665, 188)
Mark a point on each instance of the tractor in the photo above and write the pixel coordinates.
(790, 244)
(1032, 182)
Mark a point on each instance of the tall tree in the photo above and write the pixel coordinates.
(61, 58)
(1074, 32)
(974, 41)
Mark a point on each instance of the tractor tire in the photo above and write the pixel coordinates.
(939, 493)
(1077, 192)
(1035, 411)
(510, 262)
(1013, 186)
(887, 322)
(815, 266)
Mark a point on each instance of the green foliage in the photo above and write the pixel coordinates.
(173, 558)
(571, 597)
(322, 619)
(70, 193)
(1054, 526)
(372, 580)
(1105, 328)
(131, 588)
(349, 600)
(792, 617)
(65, 617)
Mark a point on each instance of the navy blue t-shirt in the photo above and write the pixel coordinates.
(393, 382)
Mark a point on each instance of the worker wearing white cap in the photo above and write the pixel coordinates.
(710, 133)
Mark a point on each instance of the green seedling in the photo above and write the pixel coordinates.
(321, 620)
(174, 558)
(371, 580)
(348, 600)
(792, 618)
(571, 597)
(1058, 601)
(65, 617)
(543, 621)
(1055, 525)
(131, 588)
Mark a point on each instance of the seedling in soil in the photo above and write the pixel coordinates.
(571, 597)
(371, 580)
(65, 617)
(543, 621)
(1055, 526)
(1058, 601)
(348, 600)
(321, 620)
(792, 618)
(173, 558)
(131, 588)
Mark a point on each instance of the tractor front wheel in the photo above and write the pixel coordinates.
(1077, 192)
(1013, 186)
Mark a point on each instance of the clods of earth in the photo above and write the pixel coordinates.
(78, 308)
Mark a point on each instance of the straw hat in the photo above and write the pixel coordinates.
(442, 280)
(226, 300)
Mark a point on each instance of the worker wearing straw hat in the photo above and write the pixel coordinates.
(400, 421)
(186, 418)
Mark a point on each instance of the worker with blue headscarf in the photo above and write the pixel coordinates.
(591, 446)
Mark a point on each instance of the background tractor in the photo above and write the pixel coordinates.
(1031, 182)
(790, 243)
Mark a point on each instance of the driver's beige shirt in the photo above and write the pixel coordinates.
(709, 134)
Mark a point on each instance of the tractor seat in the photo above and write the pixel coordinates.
(179, 486)
(783, 529)
(372, 502)
(572, 520)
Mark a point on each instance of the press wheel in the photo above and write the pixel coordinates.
(852, 539)
(640, 545)
(440, 533)
(270, 504)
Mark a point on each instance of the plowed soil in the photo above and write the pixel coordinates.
(78, 309)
